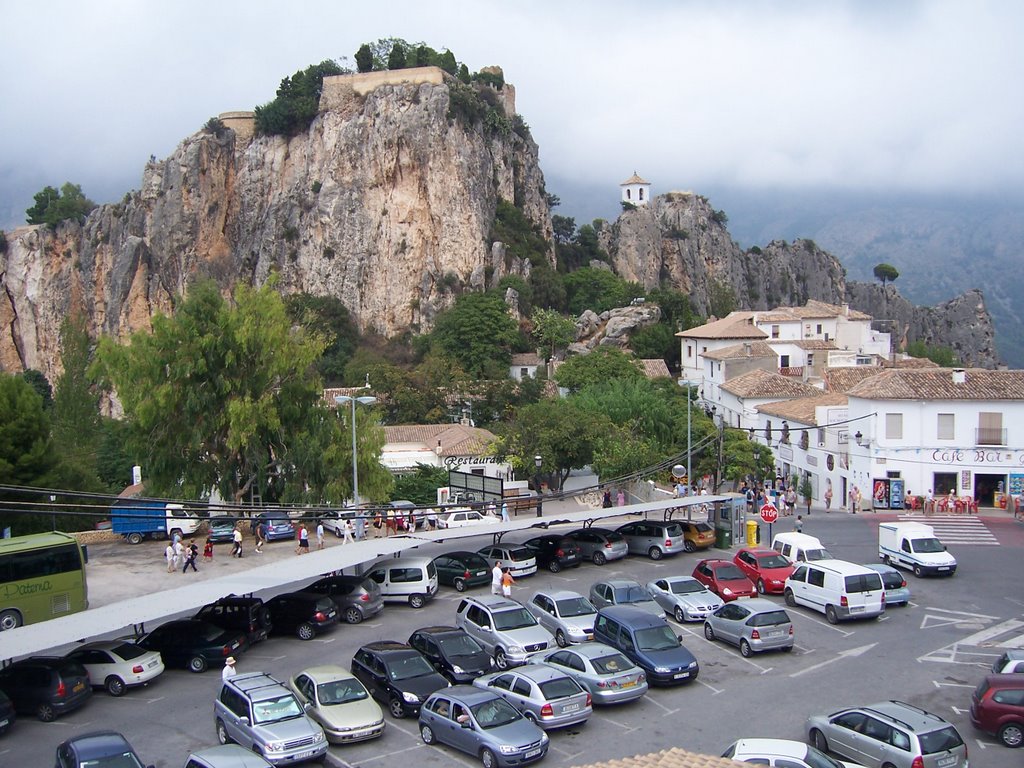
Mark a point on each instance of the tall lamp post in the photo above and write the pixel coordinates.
(365, 400)
(537, 462)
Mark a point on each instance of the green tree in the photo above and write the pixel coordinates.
(603, 364)
(76, 412)
(40, 385)
(479, 333)
(547, 288)
(114, 457)
(364, 58)
(26, 452)
(619, 453)
(944, 357)
(328, 315)
(722, 299)
(631, 403)
(522, 238)
(655, 341)
(396, 59)
(297, 102)
(806, 491)
(52, 207)
(420, 486)
(552, 330)
(448, 63)
(598, 290)
(564, 228)
(886, 273)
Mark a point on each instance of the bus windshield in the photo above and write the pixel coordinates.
(41, 577)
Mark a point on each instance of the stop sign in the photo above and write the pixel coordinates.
(769, 513)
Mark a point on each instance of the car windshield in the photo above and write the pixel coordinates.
(473, 561)
(409, 667)
(927, 545)
(703, 528)
(768, 619)
(515, 619)
(940, 740)
(686, 587)
(340, 692)
(460, 645)
(495, 713)
(128, 651)
(574, 606)
(612, 664)
(728, 573)
(123, 760)
(559, 688)
(773, 561)
(813, 555)
(631, 594)
(656, 639)
(277, 709)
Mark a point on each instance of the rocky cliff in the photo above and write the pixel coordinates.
(386, 202)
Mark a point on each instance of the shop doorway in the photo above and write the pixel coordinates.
(985, 487)
(944, 482)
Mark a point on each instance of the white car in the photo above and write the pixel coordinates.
(117, 665)
(783, 752)
(461, 518)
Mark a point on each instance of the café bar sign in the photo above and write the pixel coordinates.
(992, 457)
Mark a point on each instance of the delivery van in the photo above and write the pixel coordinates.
(914, 546)
(839, 589)
(799, 547)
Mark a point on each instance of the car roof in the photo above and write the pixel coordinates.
(439, 629)
(559, 594)
(1009, 680)
(459, 553)
(539, 673)
(494, 602)
(325, 672)
(616, 583)
(591, 650)
(90, 746)
(912, 717)
(759, 604)
(106, 645)
(230, 756)
(842, 567)
(777, 747)
(759, 551)
(592, 529)
(469, 695)
(410, 561)
(677, 578)
(386, 647)
(881, 568)
(635, 617)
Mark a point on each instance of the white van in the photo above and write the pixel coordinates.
(405, 579)
(839, 589)
(914, 546)
(799, 547)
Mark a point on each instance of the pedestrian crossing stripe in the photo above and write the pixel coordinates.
(957, 529)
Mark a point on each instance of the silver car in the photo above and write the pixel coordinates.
(544, 694)
(520, 560)
(624, 592)
(226, 756)
(896, 590)
(509, 632)
(754, 624)
(684, 597)
(608, 676)
(599, 545)
(654, 538)
(569, 616)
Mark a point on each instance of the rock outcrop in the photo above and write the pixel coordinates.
(612, 328)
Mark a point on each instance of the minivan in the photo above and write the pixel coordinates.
(509, 632)
(654, 538)
(648, 642)
(45, 686)
(799, 547)
(839, 589)
(405, 579)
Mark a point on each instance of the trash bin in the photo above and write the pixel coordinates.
(723, 538)
(752, 533)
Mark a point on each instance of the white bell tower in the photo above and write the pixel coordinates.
(635, 190)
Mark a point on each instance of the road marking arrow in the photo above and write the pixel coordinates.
(852, 652)
(937, 684)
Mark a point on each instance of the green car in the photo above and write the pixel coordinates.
(462, 570)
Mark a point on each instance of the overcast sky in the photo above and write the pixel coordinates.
(913, 97)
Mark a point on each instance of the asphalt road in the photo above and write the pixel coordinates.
(931, 653)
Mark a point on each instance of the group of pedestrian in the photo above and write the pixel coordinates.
(501, 580)
(177, 552)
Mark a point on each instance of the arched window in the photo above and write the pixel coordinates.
(641, 192)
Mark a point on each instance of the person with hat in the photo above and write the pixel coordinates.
(229, 669)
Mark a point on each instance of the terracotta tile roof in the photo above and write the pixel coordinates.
(811, 344)
(760, 384)
(822, 309)
(937, 384)
(527, 358)
(909, 362)
(455, 439)
(654, 368)
(736, 351)
(802, 409)
(778, 315)
(842, 379)
(634, 179)
(735, 325)
(669, 758)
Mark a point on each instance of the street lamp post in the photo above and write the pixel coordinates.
(689, 400)
(537, 462)
(365, 400)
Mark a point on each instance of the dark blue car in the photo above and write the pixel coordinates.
(648, 641)
(279, 526)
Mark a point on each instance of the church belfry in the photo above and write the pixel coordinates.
(635, 190)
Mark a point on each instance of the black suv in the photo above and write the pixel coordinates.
(194, 644)
(397, 675)
(242, 614)
(453, 653)
(554, 551)
(357, 597)
(46, 687)
(304, 613)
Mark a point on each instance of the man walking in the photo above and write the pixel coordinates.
(261, 536)
(179, 552)
(346, 530)
(236, 538)
(504, 511)
(191, 553)
(229, 669)
(496, 578)
(320, 533)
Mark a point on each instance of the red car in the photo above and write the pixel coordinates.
(724, 579)
(765, 567)
(997, 707)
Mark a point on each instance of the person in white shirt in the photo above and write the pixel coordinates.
(320, 534)
(346, 531)
(229, 670)
(496, 574)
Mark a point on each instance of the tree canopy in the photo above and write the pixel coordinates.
(603, 364)
(331, 317)
(479, 333)
(297, 101)
(598, 290)
(886, 273)
(52, 207)
(552, 330)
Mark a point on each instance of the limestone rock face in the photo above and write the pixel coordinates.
(612, 328)
(384, 202)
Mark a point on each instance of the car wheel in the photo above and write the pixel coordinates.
(760, 586)
(416, 601)
(654, 553)
(460, 585)
(427, 734)
(709, 633)
(820, 743)
(500, 660)
(790, 599)
(353, 615)
(9, 620)
(918, 571)
(488, 759)
(222, 732)
(745, 650)
(831, 615)
(197, 664)
(554, 566)
(1012, 735)
(134, 538)
(115, 685)
(599, 558)
(263, 617)
(396, 708)
(680, 616)
(560, 639)
(46, 713)
(305, 631)
(689, 546)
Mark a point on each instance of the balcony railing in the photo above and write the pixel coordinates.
(797, 371)
(989, 436)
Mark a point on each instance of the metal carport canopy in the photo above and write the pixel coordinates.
(126, 614)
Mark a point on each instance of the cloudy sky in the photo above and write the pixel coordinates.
(908, 96)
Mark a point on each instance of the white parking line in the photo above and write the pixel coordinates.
(709, 687)
(564, 752)
(613, 721)
(391, 754)
(406, 731)
(655, 702)
(824, 624)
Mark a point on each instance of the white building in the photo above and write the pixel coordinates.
(524, 365)
(635, 190)
(453, 446)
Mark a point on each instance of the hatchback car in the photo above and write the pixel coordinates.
(782, 753)
(697, 535)
(397, 675)
(599, 545)
(890, 733)
(221, 529)
(481, 723)
(654, 538)
(603, 671)
(724, 579)
(240, 614)
(753, 625)
(357, 597)
(98, 749)
(520, 560)
(339, 702)
(685, 598)
(226, 756)
(509, 632)
(46, 687)
(1008, 663)
(453, 653)
(624, 592)
(194, 644)
(896, 590)
(545, 694)
(997, 708)
(765, 567)
(279, 525)
(554, 551)
(568, 616)
(117, 665)
(463, 518)
(462, 570)
(306, 614)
